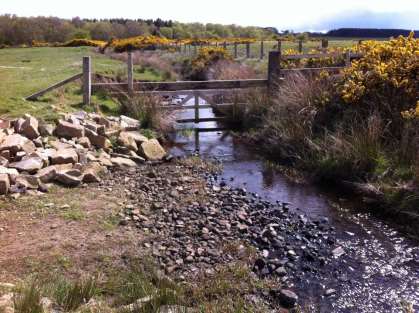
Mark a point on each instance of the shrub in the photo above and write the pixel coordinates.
(69, 295)
(206, 58)
(147, 109)
(28, 299)
(84, 42)
(384, 79)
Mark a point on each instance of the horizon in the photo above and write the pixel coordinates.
(319, 17)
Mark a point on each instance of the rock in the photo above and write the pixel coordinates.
(337, 252)
(18, 125)
(128, 141)
(329, 292)
(152, 150)
(68, 130)
(6, 303)
(137, 136)
(84, 142)
(46, 130)
(70, 178)
(104, 159)
(4, 124)
(13, 173)
(47, 174)
(99, 141)
(65, 156)
(58, 145)
(16, 142)
(123, 162)
(27, 182)
(30, 128)
(30, 165)
(91, 172)
(3, 161)
(128, 123)
(287, 298)
(99, 129)
(4, 184)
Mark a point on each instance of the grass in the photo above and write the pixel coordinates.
(25, 71)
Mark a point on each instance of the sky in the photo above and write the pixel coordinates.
(297, 15)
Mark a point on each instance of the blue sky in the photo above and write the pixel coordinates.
(296, 15)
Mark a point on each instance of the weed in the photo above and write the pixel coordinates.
(28, 299)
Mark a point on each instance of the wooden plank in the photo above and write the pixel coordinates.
(312, 69)
(192, 107)
(186, 99)
(196, 108)
(55, 86)
(186, 85)
(87, 80)
(201, 120)
(317, 55)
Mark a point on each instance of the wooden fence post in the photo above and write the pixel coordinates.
(87, 80)
(235, 50)
(225, 45)
(348, 58)
(248, 50)
(196, 107)
(262, 52)
(274, 70)
(279, 45)
(300, 46)
(130, 68)
(325, 43)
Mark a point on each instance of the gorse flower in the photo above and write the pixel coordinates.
(387, 68)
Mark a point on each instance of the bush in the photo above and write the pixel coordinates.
(84, 42)
(207, 57)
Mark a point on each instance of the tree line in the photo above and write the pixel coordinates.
(15, 30)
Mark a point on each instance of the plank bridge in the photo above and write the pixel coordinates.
(197, 89)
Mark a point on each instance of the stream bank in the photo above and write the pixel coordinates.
(378, 267)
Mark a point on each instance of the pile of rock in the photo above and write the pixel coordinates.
(75, 151)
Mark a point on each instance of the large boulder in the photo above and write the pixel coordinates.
(68, 130)
(30, 165)
(64, 156)
(128, 141)
(16, 142)
(30, 128)
(4, 184)
(152, 150)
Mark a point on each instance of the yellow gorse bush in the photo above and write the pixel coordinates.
(387, 70)
(139, 43)
(84, 42)
(208, 56)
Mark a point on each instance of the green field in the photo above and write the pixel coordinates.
(24, 71)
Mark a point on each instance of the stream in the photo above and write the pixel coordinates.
(377, 269)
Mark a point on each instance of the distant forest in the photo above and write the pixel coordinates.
(368, 33)
(15, 30)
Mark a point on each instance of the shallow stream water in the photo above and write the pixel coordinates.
(379, 267)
